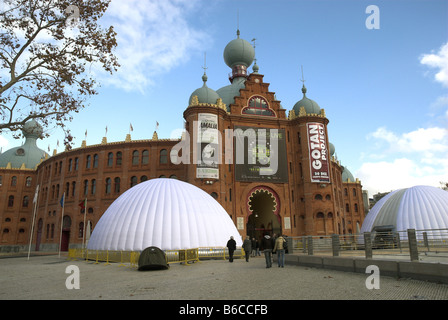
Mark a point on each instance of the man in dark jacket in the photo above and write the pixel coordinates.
(268, 245)
(231, 245)
(247, 246)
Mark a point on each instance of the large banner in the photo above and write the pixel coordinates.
(208, 146)
(260, 154)
(317, 146)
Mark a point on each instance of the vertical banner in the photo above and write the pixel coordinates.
(208, 146)
(317, 146)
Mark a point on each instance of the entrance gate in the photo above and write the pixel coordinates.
(263, 207)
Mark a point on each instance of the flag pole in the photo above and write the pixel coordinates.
(62, 223)
(34, 219)
(84, 231)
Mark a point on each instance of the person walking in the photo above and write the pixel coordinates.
(231, 245)
(254, 246)
(247, 246)
(268, 244)
(280, 249)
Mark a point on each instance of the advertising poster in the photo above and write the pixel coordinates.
(208, 146)
(317, 146)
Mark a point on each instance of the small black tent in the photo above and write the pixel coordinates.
(152, 258)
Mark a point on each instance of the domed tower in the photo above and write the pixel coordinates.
(200, 147)
(18, 181)
(238, 55)
(27, 156)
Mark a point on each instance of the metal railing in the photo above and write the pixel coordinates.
(405, 244)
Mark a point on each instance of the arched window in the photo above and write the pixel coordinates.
(119, 158)
(318, 197)
(320, 215)
(13, 181)
(28, 181)
(135, 157)
(214, 195)
(133, 181)
(356, 206)
(143, 178)
(117, 185)
(86, 187)
(354, 192)
(95, 161)
(347, 208)
(93, 188)
(145, 157)
(25, 202)
(108, 185)
(10, 201)
(110, 159)
(163, 156)
(88, 161)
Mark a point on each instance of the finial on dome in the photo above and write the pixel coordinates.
(204, 77)
(303, 81)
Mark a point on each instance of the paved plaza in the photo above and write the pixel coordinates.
(44, 277)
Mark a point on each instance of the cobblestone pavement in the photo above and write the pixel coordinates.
(44, 277)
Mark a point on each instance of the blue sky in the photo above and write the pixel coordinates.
(384, 90)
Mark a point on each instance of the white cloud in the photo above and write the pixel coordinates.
(400, 173)
(419, 157)
(153, 37)
(439, 61)
(430, 140)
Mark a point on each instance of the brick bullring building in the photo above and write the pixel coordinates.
(271, 169)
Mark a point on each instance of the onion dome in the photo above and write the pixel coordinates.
(239, 52)
(418, 207)
(228, 93)
(165, 213)
(332, 149)
(347, 176)
(28, 155)
(204, 94)
(311, 107)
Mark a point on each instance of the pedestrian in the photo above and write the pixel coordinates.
(280, 245)
(231, 245)
(254, 247)
(247, 246)
(268, 245)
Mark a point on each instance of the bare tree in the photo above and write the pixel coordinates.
(45, 49)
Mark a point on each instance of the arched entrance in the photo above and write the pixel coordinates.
(67, 223)
(263, 208)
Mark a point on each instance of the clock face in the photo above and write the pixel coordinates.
(258, 105)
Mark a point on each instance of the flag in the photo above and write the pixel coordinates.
(82, 204)
(130, 125)
(86, 134)
(36, 194)
(62, 201)
(106, 130)
(157, 125)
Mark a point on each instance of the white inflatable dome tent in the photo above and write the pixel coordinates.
(422, 208)
(165, 213)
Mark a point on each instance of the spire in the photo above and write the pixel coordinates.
(204, 77)
(238, 23)
(303, 81)
(255, 67)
